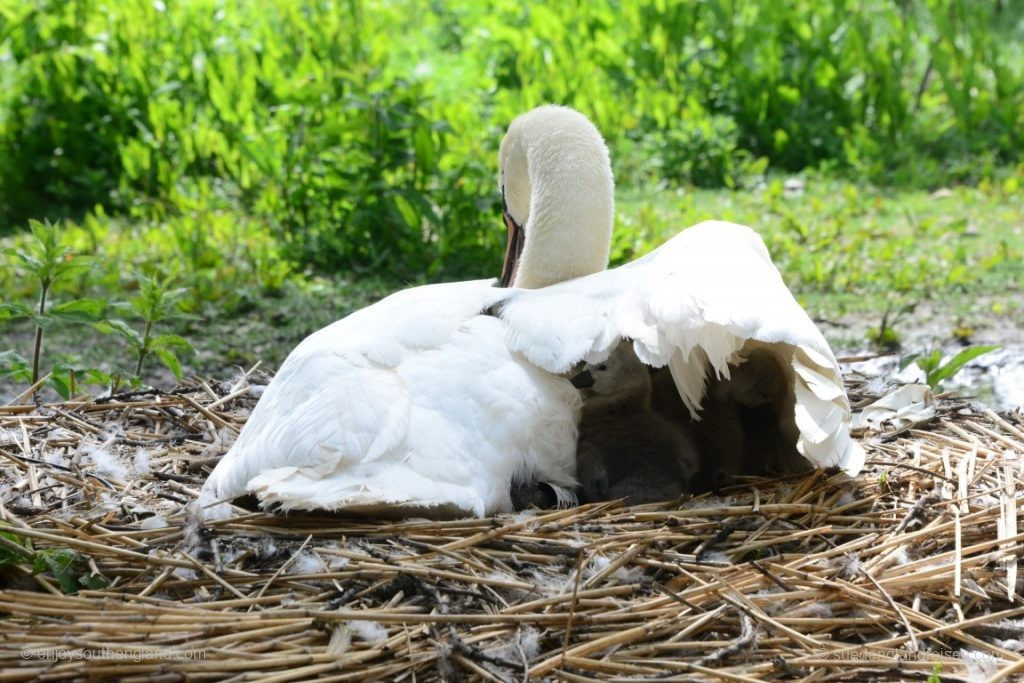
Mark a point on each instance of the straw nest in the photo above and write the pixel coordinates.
(908, 571)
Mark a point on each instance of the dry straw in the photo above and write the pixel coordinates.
(906, 571)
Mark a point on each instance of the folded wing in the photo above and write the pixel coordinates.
(414, 404)
(694, 303)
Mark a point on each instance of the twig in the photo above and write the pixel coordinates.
(748, 634)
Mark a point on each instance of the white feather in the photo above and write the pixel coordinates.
(370, 631)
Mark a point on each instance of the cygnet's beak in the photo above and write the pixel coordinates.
(514, 248)
(584, 380)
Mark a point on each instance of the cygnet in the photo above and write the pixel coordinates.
(626, 449)
(746, 424)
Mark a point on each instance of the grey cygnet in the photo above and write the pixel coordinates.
(626, 449)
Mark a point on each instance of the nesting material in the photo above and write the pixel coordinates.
(908, 570)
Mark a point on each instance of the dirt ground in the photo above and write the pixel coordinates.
(226, 346)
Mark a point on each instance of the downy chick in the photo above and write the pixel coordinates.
(760, 390)
(625, 449)
(746, 425)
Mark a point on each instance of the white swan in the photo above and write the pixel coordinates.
(434, 399)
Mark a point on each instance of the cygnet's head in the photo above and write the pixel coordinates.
(760, 380)
(557, 198)
(619, 378)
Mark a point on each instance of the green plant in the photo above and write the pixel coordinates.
(936, 675)
(69, 568)
(936, 372)
(68, 376)
(367, 154)
(13, 548)
(885, 335)
(46, 260)
(13, 365)
(155, 303)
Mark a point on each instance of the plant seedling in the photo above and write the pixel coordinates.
(47, 260)
(155, 302)
(935, 371)
(885, 335)
(69, 568)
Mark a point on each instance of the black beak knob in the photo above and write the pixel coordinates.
(584, 380)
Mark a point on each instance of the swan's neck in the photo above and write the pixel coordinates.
(571, 198)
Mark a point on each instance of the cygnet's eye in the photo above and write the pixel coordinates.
(602, 366)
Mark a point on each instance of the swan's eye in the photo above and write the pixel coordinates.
(602, 366)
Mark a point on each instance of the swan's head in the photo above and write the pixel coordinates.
(557, 198)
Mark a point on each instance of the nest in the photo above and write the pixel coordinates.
(908, 571)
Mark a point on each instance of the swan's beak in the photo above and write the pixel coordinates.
(584, 380)
(514, 248)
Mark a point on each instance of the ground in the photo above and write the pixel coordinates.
(907, 571)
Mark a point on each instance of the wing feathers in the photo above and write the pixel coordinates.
(692, 304)
(416, 402)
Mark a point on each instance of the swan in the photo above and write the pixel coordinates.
(626, 449)
(435, 399)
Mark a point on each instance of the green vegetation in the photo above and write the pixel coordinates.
(155, 302)
(68, 568)
(251, 149)
(936, 372)
(46, 260)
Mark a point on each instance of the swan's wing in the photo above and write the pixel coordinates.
(412, 403)
(696, 300)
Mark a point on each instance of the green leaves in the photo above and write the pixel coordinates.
(165, 347)
(364, 152)
(77, 311)
(156, 299)
(120, 327)
(936, 372)
(156, 302)
(74, 311)
(13, 548)
(14, 366)
(14, 310)
(45, 258)
(69, 568)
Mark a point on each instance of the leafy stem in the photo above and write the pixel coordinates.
(936, 371)
(144, 348)
(47, 260)
(69, 568)
(155, 302)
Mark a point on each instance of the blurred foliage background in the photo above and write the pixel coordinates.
(243, 147)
